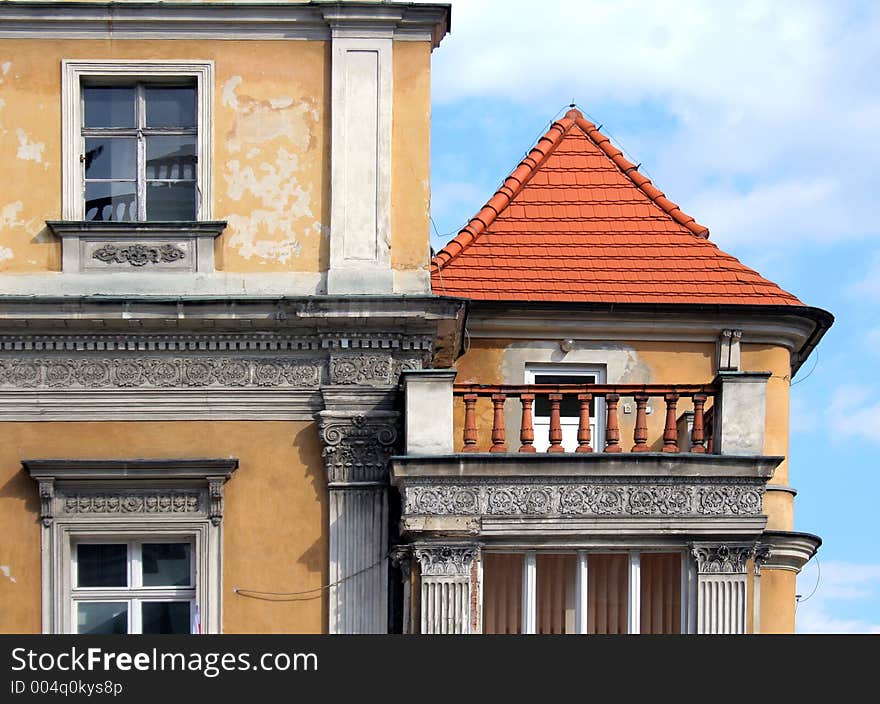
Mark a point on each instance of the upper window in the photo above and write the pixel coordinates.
(137, 144)
(140, 151)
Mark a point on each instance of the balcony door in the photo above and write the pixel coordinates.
(569, 408)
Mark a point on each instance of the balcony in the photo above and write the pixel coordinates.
(598, 460)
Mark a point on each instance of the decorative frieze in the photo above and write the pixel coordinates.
(358, 447)
(445, 560)
(150, 502)
(652, 497)
(161, 372)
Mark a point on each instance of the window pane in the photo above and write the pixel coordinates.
(171, 201)
(608, 583)
(173, 106)
(556, 584)
(661, 593)
(111, 157)
(570, 406)
(109, 106)
(166, 564)
(502, 593)
(101, 617)
(101, 565)
(108, 200)
(165, 617)
(172, 158)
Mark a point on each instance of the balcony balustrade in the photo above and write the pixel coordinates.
(701, 431)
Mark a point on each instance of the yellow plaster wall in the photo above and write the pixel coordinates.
(271, 137)
(274, 536)
(411, 160)
(271, 147)
(778, 589)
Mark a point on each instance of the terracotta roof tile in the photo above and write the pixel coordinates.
(576, 221)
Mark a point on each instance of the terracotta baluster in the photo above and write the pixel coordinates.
(555, 424)
(710, 433)
(697, 431)
(670, 433)
(498, 434)
(526, 431)
(470, 423)
(640, 435)
(584, 424)
(612, 429)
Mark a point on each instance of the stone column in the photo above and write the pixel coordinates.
(721, 586)
(356, 454)
(446, 587)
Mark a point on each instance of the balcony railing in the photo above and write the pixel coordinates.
(584, 395)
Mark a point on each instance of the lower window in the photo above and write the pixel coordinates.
(134, 586)
(584, 592)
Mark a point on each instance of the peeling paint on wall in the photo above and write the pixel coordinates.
(27, 150)
(273, 134)
(6, 572)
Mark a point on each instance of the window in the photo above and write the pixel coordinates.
(140, 151)
(133, 586)
(584, 592)
(131, 546)
(136, 141)
(569, 407)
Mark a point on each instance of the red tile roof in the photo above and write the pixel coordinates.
(576, 221)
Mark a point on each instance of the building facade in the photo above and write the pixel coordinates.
(237, 394)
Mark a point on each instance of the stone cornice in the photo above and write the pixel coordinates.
(789, 550)
(480, 466)
(798, 328)
(223, 20)
(104, 470)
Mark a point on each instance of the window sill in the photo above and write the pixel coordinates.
(114, 247)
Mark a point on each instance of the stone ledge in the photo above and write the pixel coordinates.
(595, 464)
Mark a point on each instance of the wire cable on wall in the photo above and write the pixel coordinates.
(306, 594)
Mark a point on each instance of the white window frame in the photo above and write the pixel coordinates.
(530, 593)
(70, 480)
(75, 72)
(134, 593)
(597, 434)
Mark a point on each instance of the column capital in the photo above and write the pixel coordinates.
(446, 560)
(358, 446)
(722, 558)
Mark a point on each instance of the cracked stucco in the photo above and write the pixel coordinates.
(272, 206)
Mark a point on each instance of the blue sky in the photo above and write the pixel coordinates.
(762, 120)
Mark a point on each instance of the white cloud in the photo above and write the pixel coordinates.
(868, 286)
(855, 412)
(774, 105)
(838, 583)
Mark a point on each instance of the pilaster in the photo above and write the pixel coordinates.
(446, 587)
(357, 447)
(721, 586)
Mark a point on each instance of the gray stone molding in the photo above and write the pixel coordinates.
(722, 558)
(223, 20)
(789, 550)
(660, 497)
(358, 446)
(112, 247)
(728, 349)
(445, 560)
